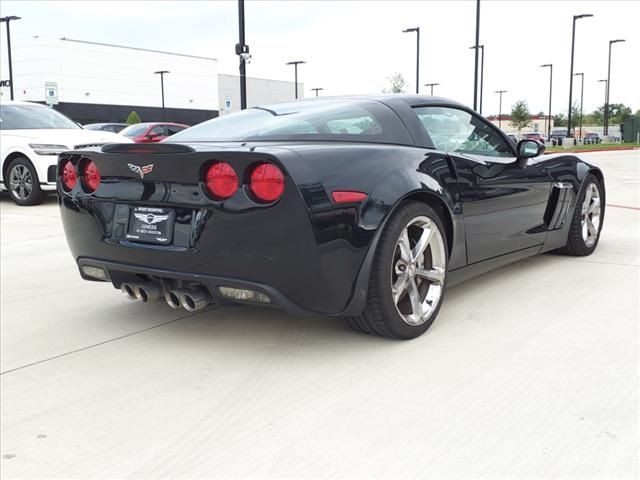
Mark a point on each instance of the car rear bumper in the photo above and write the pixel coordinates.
(119, 273)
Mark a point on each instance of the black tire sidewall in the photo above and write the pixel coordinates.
(384, 258)
(37, 194)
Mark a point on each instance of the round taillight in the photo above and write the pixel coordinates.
(266, 182)
(91, 176)
(221, 180)
(69, 176)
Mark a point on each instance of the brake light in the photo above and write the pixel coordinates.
(221, 180)
(69, 176)
(91, 176)
(266, 183)
(348, 196)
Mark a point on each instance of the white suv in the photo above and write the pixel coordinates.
(31, 138)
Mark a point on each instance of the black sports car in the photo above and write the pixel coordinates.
(363, 207)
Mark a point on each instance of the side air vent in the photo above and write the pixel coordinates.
(558, 206)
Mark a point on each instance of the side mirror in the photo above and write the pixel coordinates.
(152, 135)
(529, 149)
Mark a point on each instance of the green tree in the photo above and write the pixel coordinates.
(133, 118)
(560, 120)
(618, 113)
(520, 115)
(397, 84)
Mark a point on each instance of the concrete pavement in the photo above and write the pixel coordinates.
(530, 371)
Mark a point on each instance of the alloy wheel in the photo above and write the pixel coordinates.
(21, 182)
(591, 210)
(418, 270)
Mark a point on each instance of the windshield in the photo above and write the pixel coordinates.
(303, 120)
(134, 130)
(23, 117)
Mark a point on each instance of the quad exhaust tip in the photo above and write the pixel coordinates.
(190, 300)
(194, 300)
(128, 291)
(147, 292)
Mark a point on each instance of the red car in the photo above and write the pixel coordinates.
(151, 132)
(534, 136)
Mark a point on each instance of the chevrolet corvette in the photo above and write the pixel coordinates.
(362, 207)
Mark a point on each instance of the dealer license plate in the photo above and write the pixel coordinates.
(151, 225)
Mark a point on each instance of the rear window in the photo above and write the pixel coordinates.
(134, 130)
(305, 120)
(37, 117)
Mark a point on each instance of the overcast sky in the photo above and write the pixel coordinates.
(352, 47)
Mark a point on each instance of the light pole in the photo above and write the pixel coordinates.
(500, 108)
(573, 44)
(295, 68)
(417, 30)
(606, 106)
(8, 20)
(242, 51)
(581, 75)
(161, 73)
(481, 47)
(317, 90)
(606, 83)
(550, 88)
(431, 85)
(477, 46)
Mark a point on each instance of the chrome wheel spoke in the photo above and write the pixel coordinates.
(400, 287)
(435, 275)
(595, 206)
(404, 246)
(591, 207)
(414, 296)
(591, 228)
(423, 242)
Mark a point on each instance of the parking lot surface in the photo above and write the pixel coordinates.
(530, 371)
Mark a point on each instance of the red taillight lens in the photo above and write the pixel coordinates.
(266, 183)
(221, 180)
(69, 176)
(348, 196)
(91, 176)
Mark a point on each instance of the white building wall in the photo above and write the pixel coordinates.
(259, 92)
(93, 73)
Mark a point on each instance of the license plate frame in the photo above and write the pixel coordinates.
(151, 225)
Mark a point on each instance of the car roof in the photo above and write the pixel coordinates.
(20, 102)
(148, 124)
(410, 99)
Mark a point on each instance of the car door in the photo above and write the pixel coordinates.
(503, 200)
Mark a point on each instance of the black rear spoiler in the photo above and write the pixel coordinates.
(137, 148)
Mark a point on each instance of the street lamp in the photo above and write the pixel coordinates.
(581, 98)
(317, 90)
(242, 51)
(550, 88)
(606, 83)
(8, 19)
(475, 73)
(481, 47)
(161, 73)
(431, 85)
(606, 106)
(417, 30)
(573, 44)
(295, 67)
(500, 108)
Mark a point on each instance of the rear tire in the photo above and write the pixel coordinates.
(586, 223)
(23, 183)
(408, 275)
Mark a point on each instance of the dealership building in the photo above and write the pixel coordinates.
(99, 82)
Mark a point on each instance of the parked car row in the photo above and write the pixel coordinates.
(32, 136)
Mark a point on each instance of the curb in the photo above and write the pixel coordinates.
(607, 149)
